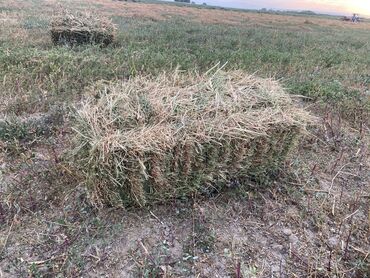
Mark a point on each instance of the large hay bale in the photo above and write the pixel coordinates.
(151, 139)
(69, 28)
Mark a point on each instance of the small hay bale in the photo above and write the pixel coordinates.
(69, 28)
(151, 139)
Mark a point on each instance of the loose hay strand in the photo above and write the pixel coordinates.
(161, 137)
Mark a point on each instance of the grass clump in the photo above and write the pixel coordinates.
(150, 139)
(69, 28)
(36, 125)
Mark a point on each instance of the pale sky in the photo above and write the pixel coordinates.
(327, 6)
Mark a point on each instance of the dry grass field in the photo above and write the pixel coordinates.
(311, 219)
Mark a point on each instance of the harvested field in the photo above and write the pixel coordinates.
(176, 135)
(310, 218)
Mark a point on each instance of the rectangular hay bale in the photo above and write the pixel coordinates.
(151, 139)
(69, 28)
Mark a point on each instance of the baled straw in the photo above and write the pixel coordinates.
(150, 139)
(81, 28)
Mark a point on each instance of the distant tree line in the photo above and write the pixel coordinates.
(264, 10)
(183, 1)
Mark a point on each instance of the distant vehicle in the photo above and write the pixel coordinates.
(355, 18)
(345, 18)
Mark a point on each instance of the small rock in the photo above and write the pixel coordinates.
(287, 232)
(263, 241)
(333, 242)
(275, 268)
(277, 247)
(293, 239)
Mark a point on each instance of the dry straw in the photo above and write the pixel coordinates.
(68, 28)
(150, 139)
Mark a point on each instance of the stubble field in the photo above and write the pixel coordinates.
(312, 220)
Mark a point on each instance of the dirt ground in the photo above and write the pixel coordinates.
(311, 222)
